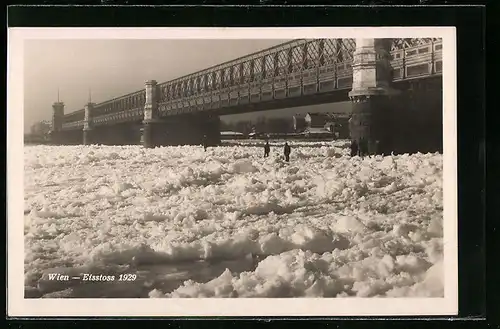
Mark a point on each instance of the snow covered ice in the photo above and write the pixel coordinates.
(230, 223)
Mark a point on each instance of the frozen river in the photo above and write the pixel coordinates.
(181, 222)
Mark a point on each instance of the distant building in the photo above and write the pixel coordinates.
(40, 128)
(339, 126)
(231, 135)
(39, 133)
(317, 120)
(323, 123)
(299, 123)
(317, 132)
(257, 135)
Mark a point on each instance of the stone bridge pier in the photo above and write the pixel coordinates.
(58, 135)
(88, 131)
(187, 129)
(403, 120)
(372, 96)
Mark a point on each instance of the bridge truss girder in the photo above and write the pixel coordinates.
(297, 68)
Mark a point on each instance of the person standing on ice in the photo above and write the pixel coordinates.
(287, 152)
(354, 148)
(267, 149)
(205, 143)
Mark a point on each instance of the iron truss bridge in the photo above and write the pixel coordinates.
(290, 70)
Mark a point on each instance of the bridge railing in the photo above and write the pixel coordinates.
(73, 120)
(124, 108)
(273, 73)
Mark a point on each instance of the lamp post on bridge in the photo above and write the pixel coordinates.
(370, 94)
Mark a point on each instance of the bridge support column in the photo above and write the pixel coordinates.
(371, 95)
(152, 134)
(56, 133)
(88, 135)
(186, 129)
(150, 124)
(87, 125)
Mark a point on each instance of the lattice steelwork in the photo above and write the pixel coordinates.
(126, 108)
(399, 44)
(416, 57)
(298, 67)
(73, 120)
(274, 65)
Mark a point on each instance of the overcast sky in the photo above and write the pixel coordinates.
(110, 68)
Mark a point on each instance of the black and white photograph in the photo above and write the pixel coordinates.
(232, 171)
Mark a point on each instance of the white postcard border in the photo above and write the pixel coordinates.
(19, 307)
